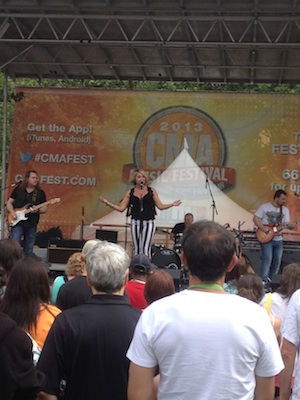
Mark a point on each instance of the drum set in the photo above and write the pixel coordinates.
(169, 259)
(177, 242)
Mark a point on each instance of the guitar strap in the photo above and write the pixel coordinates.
(280, 216)
(34, 195)
(30, 198)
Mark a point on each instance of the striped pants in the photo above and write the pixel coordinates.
(142, 233)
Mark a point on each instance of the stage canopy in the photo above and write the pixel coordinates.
(220, 41)
(185, 180)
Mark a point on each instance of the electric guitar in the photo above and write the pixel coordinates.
(22, 212)
(275, 230)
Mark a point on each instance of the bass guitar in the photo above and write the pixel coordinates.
(265, 237)
(22, 212)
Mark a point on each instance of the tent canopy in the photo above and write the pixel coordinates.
(241, 41)
(185, 180)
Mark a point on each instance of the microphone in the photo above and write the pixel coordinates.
(16, 184)
(141, 196)
(296, 194)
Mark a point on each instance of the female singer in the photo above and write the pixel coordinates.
(140, 202)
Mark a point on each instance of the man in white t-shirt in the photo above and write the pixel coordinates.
(270, 219)
(207, 344)
(290, 347)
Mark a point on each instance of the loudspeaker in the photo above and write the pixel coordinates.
(60, 256)
(289, 257)
(253, 256)
(59, 251)
(109, 236)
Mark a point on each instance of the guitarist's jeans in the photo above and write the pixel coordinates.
(271, 254)
(26, 230)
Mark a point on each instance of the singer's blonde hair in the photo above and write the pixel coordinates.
(139, 171)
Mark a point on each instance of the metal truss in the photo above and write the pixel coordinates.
(226, 42)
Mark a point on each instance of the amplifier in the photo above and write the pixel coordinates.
(66, 243)
(254, 254)
(290, 256)
(109, 236)
(250, 241)
(291, 245)
(59, 251)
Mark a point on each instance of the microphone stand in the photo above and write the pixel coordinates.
(213, 204)
(128, 214)
(126, 239)
(5, 228)
(239, 240)
(82, 223)
(11, 186)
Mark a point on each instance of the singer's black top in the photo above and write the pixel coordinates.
(141, 208)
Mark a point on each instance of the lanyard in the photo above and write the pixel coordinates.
(208, 286)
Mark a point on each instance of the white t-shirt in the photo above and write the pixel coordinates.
(290, 330)
(207, 346)
(270, 215)
(278, 304)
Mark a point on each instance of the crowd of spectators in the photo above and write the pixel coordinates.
(116, 328)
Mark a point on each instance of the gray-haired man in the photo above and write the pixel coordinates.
(87, 344)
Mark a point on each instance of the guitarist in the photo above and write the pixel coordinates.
(267, 218)
(27, 195)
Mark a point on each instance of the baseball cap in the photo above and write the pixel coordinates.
(141, 264)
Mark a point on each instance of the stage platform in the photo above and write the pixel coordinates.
(55, 257)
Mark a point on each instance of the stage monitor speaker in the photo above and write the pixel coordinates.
(109, 236)
(59, 251)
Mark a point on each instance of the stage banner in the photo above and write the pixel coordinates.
(87, 142)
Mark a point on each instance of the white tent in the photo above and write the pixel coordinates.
(185, 180)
